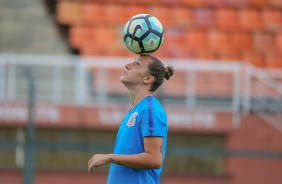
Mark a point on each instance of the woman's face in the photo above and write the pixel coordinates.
(136, 71)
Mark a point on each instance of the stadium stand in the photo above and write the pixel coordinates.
(194, 29)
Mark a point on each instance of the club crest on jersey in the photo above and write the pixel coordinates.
(131, 120)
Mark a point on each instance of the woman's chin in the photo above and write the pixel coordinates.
(122, 79)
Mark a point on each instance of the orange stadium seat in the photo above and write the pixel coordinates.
(186, 15)
(178, 51)
(204, 54)
(229, 55)
(121, 1)
(258, 3)
(114, 13)
(195, 39)
(134, 9)
(250, 19)
(104, 36)
(274, 61)
(204, 17)
(226, 18)
(278, 42)
(263, 42)
(69, 12)
(241, 40)
(162, 13)
(275, 3)
(215, 3)
(170, 2)
(80, 36)
(272, 19)
(218, 40)
(148, 2)
(91, 50)
(174, 37)
(164, 51)
(237, 3)
(193, 3)
(92, 12)
(116, 51)
(253, 58)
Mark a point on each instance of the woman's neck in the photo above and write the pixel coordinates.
(137, 95)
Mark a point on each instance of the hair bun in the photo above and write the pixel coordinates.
(169, 70)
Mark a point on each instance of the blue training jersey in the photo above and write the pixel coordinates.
(147, 118)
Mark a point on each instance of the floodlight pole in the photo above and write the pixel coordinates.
(29, 146)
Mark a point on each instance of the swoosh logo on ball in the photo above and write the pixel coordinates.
(135, 30)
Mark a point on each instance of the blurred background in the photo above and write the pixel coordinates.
(61, 100)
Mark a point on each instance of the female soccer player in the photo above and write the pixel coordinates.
(140, 146)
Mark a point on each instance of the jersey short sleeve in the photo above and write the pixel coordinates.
(147, 118)
(153, 121)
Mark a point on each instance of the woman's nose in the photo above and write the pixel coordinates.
(127, 66)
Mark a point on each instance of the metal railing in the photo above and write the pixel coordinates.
(220, 86)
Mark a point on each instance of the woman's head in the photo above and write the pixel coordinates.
(159, 72)
(146, 70)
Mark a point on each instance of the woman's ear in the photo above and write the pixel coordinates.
(149, 79)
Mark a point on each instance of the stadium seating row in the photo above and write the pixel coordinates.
(248, 33)
(72, 12)
(197, 3)
(198, 43)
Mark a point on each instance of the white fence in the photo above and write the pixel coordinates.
(221, 86)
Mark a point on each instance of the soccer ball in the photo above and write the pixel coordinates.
(143, 34)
